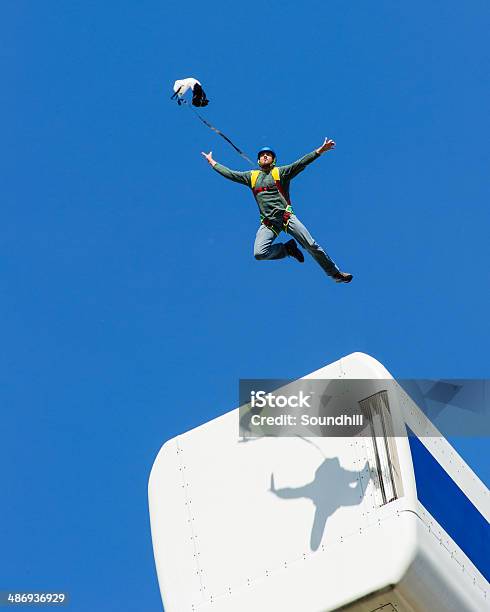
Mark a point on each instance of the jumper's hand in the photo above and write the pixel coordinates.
(209, 157)
(326, 146)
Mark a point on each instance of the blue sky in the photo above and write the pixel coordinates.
(131, 302)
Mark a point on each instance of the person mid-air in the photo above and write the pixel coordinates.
(270, 186)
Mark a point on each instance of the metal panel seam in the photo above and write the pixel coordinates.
(190, 518)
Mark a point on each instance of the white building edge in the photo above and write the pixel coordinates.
(359, 524)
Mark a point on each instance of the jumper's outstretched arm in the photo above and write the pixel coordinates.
(291, 170)
(232, 175)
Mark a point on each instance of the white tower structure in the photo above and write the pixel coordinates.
(370, 523)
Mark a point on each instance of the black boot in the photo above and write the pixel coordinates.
(342, 277)
(293, 251)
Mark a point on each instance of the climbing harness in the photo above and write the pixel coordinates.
(278, 186)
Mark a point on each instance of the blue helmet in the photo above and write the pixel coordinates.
(266, 150)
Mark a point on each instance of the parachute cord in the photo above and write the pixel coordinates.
(211, 127)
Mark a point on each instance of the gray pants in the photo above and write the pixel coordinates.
(265, 249)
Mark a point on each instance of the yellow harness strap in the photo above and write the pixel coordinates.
(255, 175)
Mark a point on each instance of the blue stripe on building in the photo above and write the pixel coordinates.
(450, 507)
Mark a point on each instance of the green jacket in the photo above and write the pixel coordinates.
(270, 203)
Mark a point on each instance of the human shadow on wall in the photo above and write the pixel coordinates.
(331, 488)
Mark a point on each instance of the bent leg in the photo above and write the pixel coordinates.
(264, 247)
(303, 236)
